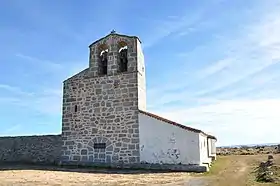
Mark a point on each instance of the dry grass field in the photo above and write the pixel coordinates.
(233, 170)
(246, 150)
(237, 170)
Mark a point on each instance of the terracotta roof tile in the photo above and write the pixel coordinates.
(176, 124)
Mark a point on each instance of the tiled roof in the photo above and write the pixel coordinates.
(176, 124)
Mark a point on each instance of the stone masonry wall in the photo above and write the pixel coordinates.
(105, 114)
(113, 43)
(31, 149)
(104, 108)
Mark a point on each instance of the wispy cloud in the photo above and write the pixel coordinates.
(245, 121)
(40, 63)
(63, 68)
(215, 68)
(45, 94)
(54, 92)
(46, 97)
(178, 25)
(43, 101)
(243, 55)
(167, 27)
(13, 128)
(256, 51)
(15, 90)
(235, 91)
(9, 100)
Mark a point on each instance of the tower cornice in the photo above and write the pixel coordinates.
(113, 32)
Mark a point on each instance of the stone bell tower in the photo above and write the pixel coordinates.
(118, 54)
(101, 104)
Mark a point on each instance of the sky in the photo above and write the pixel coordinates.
(210, 64)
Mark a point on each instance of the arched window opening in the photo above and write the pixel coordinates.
(123, 60)
(103, 60)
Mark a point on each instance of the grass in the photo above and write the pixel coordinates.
(237, 170)
(234, 170)
(220, 164)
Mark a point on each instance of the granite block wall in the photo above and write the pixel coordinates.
(102, 109)
(106, 112)
(31, 149)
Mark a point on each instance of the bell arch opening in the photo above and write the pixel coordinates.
(122, 57)
(103, 59)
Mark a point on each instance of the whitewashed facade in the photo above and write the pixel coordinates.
(165, 142)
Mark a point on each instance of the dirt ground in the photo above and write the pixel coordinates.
(227, 171)
(236, 170)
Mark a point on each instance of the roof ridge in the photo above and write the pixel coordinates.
(117, 34)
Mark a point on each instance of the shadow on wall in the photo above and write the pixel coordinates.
(16, 166)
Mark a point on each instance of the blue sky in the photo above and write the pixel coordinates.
(210, 64)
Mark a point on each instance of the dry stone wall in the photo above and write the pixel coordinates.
(31, 149)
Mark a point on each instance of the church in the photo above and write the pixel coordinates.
(105, 120)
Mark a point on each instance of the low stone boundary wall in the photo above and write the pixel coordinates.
(155, 167)
(45, 149)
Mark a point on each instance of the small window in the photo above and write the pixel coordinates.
(99, 145)
(76, 108)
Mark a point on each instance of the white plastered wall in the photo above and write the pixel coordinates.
(204, 147)
(141, 76)
(161, 142)
(212, 146)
